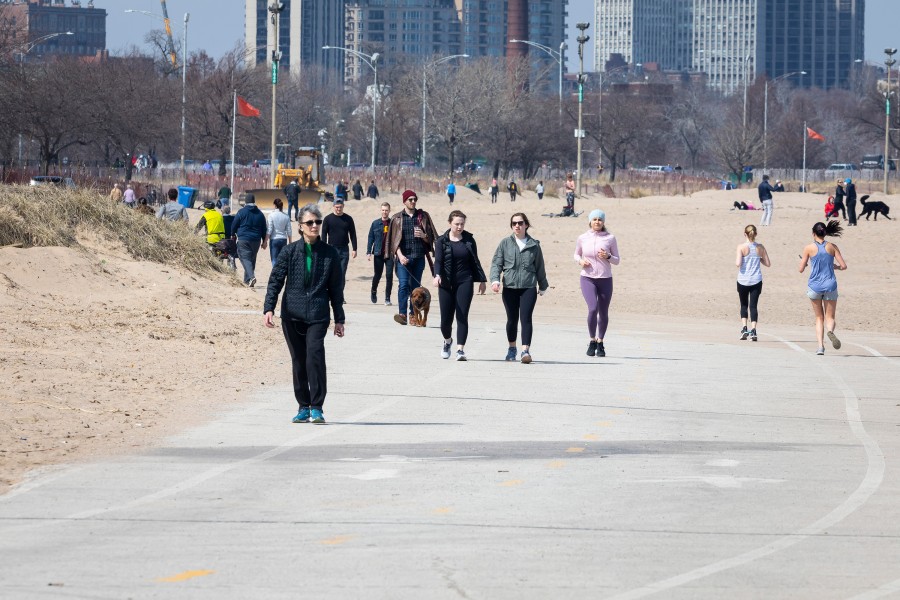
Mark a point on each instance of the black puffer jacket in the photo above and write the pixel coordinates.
(443, 258)
(301, 302)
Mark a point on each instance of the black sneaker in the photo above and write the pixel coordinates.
(744, 333)
(374, 297)
(601, 351)
(592, 348)
(752, 335)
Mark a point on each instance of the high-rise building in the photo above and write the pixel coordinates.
(733, 41)
(32, 20)
(644, 31)
(304, 27)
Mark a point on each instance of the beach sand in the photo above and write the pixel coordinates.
(101, 353)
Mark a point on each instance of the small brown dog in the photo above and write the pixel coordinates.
(421, 304)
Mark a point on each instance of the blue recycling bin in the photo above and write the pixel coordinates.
(186, 196)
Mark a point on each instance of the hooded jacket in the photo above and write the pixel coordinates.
(249, 224)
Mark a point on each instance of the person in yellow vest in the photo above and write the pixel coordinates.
(213, 222)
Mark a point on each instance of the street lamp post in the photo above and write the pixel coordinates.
(766, 116)
(372, 61)
(888, 62)
(26, 48)
(275, 8)
(746, 81)
(582, 40)
(165, 19)
(425, 97)
(555, 55)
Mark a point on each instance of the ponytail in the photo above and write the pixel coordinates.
(833, 229)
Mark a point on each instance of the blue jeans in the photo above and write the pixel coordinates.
(409, 275)
(247, 250)
(293, 204)
(275, 248)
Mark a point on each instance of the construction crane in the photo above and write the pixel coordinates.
(171, 42)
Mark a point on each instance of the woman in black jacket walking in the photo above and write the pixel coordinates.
(456, 268)
(311, 270)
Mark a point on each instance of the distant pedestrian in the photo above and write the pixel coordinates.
(495, 191)
(292, 195)
(249, 227)
(539, 190)
(838, 207)
(172, 210)
(372, 192)
(850, 191)
(750, 255)
(278, 230)
(376, 250)
(340, 191)
(518, 264)
(457, 268)
(822, 288)
(116, 193)
(596, 251)
(513, 190)
(570, 193)
(451, 191)
(128, 197)
(310, 273)
(357, 190)
(224, 195)
(764, 191)
(338, 230)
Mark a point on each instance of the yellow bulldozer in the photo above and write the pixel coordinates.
(307, 167)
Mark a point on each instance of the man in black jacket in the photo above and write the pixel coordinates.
(339, 231)
(850, 191)
(249, 227)
(377, 248)
(310, 273)
(292, 195)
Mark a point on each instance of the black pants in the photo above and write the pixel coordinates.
(344, 253)
(838, 207)
(456, 301)
(386, 266)
(851, 212)
(519, 304)
(749, 296)
(306, 343)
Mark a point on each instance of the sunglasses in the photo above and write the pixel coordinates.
(310, 223)
(514, 223)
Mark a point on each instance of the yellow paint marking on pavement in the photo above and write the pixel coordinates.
(556, 464)
(575, 450)
(185, 576)
(591, 436)
(604, 423)
(444, 510)
(337, 540)
(512, 482)
(616, 411)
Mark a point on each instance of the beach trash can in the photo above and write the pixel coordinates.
(186, 196)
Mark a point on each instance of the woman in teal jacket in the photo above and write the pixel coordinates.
(519, 262)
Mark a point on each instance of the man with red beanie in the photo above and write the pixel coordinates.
(411, 236)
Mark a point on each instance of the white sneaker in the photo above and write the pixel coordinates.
(445, 351)
(460, 356)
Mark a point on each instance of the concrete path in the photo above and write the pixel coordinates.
(686, 464)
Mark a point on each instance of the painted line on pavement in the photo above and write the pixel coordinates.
(869, 485)
(875, 353)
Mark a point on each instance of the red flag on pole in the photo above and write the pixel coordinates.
(812, 134)
(245, 109)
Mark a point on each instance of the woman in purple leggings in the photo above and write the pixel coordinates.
(596, 251)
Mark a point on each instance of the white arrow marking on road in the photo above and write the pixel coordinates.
(719, 482)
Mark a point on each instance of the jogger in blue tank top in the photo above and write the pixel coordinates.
(823, 257)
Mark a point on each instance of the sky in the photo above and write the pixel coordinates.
(218, 25)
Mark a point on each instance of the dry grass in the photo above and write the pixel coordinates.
(48, 216)
(637, 192)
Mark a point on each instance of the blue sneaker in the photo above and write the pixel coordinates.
(302, 416)
(316, 416)
(511, 353)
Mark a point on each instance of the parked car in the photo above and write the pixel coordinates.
(876, 161)
(52, 180)
(837, 168)
(658, 168)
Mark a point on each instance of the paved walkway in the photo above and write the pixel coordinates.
(686, 464)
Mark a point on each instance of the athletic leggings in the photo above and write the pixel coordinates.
(749, 295)
(456, 301)
(519, 304)
(597, 293)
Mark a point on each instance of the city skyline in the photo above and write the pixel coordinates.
(217, 26)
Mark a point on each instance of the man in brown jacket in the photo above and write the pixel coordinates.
(411, 236)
